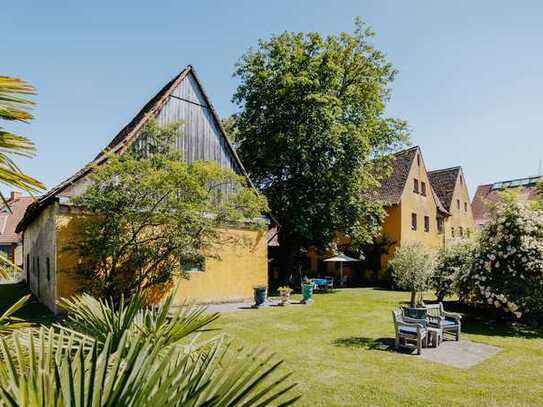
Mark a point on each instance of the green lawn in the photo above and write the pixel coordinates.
(338, 348)
(339, 351)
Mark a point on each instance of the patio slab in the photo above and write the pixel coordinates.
(462, 355)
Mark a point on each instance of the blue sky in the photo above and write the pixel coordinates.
(469, 82)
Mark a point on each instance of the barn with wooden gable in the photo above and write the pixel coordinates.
(47, 225)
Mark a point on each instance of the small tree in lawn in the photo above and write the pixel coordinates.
(150, 213)
(413, 266)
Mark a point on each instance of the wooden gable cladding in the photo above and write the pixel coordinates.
(199, 136)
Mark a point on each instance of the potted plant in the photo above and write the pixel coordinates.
(284, 293)
(260, 296)
(307, 291)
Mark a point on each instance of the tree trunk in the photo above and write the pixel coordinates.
(288, 273)
(413, 299)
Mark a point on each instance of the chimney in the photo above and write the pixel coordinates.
(14, 195)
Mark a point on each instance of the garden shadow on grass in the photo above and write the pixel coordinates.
(357, 342)
(486, 322)
(33, 311)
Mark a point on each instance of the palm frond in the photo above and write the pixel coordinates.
(41, 371)
(8, 268)
(8, 322)
(13, 103)
(101, 319)
(14, 144)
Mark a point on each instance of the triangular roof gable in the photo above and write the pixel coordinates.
(444, 182)
(127, 136)
(185, 87)
(392, 187)
(412, 155)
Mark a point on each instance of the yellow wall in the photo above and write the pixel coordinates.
(68, 226)
(392, 230)
(412, 202)
(397, 224)
(241, 265)
(460, 217)
(232, 277)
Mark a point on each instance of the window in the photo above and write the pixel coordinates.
(416, 186)
(48, 268)
(452, 232)
(458, 204)
(5, 250)
(38, 274)
(461, 180)
(465, 207)
(196, 265)
(426, 224)
(468, 232)
(413, 221)
(423, 188)
(439, 222)
(461, 231)
(418, 160)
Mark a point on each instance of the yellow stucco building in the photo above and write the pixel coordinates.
(51, 224)
(431, 207)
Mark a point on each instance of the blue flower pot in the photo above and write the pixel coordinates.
(260, 296)
(307, 292)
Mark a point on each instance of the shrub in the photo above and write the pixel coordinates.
(413, 265)
(450, 263)
(507, 268)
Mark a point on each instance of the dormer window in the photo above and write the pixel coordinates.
(416, 186)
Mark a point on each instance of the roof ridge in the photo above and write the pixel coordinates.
(457, 167)
(406, 150)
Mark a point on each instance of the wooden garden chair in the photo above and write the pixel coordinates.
(406, 332)
(449, 322)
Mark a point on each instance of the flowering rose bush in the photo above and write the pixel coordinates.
(507, 267)
(452, 262)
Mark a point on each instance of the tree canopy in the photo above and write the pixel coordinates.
(413, 266)
(150, 214)
(312, 130)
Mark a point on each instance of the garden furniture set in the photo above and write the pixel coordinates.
(424, 326)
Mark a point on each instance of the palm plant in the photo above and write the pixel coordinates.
(8, 322)
(135, 356)
(14, 106)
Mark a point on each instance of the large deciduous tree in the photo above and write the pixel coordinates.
(150, 213)
(311, 131)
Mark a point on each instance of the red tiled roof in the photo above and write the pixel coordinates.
(443, 182)
(392, 187)
(485, 194)
(10, 219)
